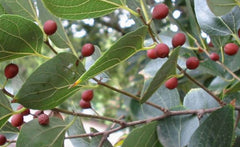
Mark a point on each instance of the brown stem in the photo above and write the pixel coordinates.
(7, 93)
(237, 120)
(48, 44)
(129, 94)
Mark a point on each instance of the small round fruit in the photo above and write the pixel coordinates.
(3, 139)
(84, 104)
(231, 49)
(88, 49)
(37, 113)
(210, 44)
(87, 95)
(192, 63)
(24, 113)
(214, 56)
(50, 27)
(17, 120)
(178, 39)
(43, 119)
(171, 83)
(151, 54)
(160, 11)
(162, 50)
(11, 70)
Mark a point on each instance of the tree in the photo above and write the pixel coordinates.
(168, 88)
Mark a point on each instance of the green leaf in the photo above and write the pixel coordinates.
(216, 130)
(48, 86)
(33, 134)
(5, 109)
(96, 140)
(199, 99)
(162, 97)
(76, 129)
(24, 8)
(2, 10)
(19, 37)
(221, 7)
(91, 60)
(176, 131)
(124, 48)
(59, 38)
(213, 25)
(9, 131)
(81, 9)
(145, 136)
(168, 69)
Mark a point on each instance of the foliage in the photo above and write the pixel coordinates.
(129, 91)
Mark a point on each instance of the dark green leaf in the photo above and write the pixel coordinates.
(176, 131)
(19, 37)
(59, 38)
(221, 7)
(24, 8)
(33, 134)
(48, 86)
(96, 140)
(124, 48)
(199, 99)
(145, 136)
(9, 131)
(168, 69)
(81, 9)
(2, 10)
(77, 129)
(211, 67)
(216, 130)
(5, 109)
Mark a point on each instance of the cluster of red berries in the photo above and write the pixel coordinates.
(86, 98)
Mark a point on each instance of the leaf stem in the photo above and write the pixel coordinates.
(48, 44)
(130, 10)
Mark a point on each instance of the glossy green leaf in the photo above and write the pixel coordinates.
(168, 69)
(5, 109)
(9, 131)
(144, 136)
(213, 25)
(48, 86)
(19, 37)
(91, 60)
(81, 9)
(176, 131)
(221, 7)
(76, 129)
(124, 48)
(59, 38)
(24, 8)
(96, 140)
(162, 97)
(199, 99)
(216, 130)
(33, 134)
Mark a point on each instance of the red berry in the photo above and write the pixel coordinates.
(87, 95)
(210, 44)
(84, 104)
(3, 139)
(88, 49)
(151, 54)
(17, 120)
(11, 70)
(214, 56)
(50, 27)
(43, 119)
(178, 39)
(231, 49)
(26, 112)
(239, 33)
(37, 113)
(160, 11)
(171, 83)
(162, 50)
(192, 63)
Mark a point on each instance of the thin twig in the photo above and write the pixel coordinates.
(48, 44)
(7, 93)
